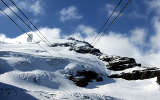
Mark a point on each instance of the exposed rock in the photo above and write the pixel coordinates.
(86, 49)
(61, 44)
(122, 67)
(158, 78)
(121, 60)
(114, 63)
(117, 63)
(138, 74)
(79, 47)
(84, 77)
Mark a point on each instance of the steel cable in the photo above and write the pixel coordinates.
(28, 27)
(102, 28)
(113, 21)
(29, 20)
(4, 13)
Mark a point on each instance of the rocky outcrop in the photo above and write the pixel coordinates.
(84, 77)
(114, 63)
(61, 44)
(86, 49)
(158, 78)
(117, 63)
(138, 74)
(79, 47)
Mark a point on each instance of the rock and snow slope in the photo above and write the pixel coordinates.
(29, 72)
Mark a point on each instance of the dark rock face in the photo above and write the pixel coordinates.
(121, 67)
(117, 63)
(61, 44)
(158, 78)
(84, 77)
(86, 49)
(138, 74)
(79, 47)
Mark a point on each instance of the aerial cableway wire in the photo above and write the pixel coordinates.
(103, 27)
(21, 29)
(4, 13)
(28, 26)
(113, 21)
(29, 20)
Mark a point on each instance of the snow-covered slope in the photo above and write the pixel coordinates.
(30, 72)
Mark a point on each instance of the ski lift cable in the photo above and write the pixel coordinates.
(113, 21)
(102, 28)
(28, 27)
(15, 5)
(21, 29)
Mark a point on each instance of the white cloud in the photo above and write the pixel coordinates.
(75, 35)
(154, 5)
(138, 36)
(136, 14)
(151, 59)
(84, 33)
(109, 8)
(116, 44)
(129, 46)
(70, 13)
(86, 30)
(155, 39)
(34, 7)
(8, 11)
(112, 43)
(49, 33)
(4, 39)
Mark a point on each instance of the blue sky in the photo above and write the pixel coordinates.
(90, 12)
(135, 34)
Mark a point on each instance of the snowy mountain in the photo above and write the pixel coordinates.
(72, 70)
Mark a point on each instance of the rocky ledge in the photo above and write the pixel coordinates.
(113, 63)
(82, 78)
(117, 63)
(79, 47)
(138, 74)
